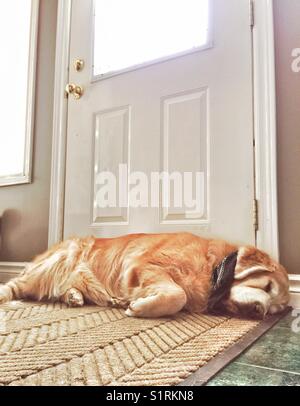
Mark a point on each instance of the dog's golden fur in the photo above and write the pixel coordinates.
(150, 275)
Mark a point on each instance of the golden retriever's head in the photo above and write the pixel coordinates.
(260, 287)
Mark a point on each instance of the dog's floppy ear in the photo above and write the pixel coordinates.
(249, 271)
(250, 260)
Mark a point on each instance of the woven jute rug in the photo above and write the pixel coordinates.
(50, 344)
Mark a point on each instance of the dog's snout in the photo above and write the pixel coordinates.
(275, 309)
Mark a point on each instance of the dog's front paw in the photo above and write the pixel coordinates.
(129, 312)
(74, 298)
(133, 309)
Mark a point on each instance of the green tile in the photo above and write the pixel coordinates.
(244, 375)
(278, 349)
(286, 321)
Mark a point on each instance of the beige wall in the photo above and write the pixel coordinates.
(287, 37)
(24, 209)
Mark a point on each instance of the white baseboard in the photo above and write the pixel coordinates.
(295, 291)
(9, 270)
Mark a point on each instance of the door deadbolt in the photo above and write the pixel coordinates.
(79, 65)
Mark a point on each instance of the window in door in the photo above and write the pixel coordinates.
(132, 33)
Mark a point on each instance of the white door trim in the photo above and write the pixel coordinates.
(265, 124)
(60, 113)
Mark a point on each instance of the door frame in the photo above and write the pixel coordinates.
(264, 124)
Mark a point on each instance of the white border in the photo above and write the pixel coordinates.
(26, 176)
(265, 125)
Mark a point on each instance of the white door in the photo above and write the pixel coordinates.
(167, 87)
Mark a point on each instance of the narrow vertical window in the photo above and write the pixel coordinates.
(18, 32)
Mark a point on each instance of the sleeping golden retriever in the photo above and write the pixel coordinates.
(155, 275)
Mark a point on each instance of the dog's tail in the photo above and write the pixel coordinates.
(11, 291)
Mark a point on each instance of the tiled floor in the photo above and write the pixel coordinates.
(273, 360)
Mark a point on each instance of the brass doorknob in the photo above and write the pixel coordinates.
(75, 90)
